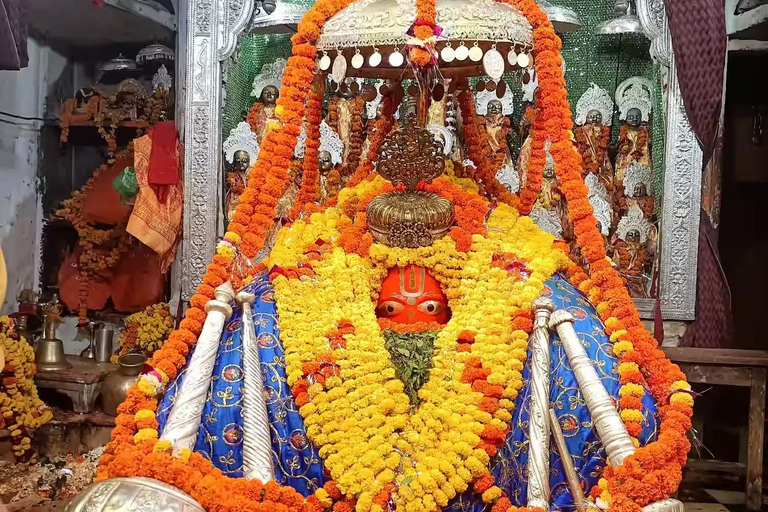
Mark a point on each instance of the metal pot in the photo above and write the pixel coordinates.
(115, 387)
(130, 494)
(103, 343)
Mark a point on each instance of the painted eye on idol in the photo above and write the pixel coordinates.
(390, 308)
(431, 307)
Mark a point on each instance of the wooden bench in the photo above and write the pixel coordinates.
(730, 367)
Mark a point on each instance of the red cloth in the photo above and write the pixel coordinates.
(162, 162)
(713, 327)
(102, 204)
(700, 44)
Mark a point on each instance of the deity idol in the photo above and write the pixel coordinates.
(633, 97)
(495, 114)
(266, 90)
(631, 251)
(241, 149)
(346, 116)
(594, 114)
(401, 348)
(637, 187)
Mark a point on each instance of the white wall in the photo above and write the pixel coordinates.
(22, 93)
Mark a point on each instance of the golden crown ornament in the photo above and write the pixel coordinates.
(410, 218)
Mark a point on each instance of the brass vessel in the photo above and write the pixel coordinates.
(115, 387)
(49, 350)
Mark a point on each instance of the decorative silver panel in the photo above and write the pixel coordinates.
(679, 226)
(212, 30)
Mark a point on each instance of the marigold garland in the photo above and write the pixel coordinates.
(592, 164)
(468, 446)
(310, 179)
(21, 410)
(148, 330)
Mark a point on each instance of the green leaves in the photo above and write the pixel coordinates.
(411, 353)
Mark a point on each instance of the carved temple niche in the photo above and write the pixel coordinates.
(216, 33)
(219, 35)
(679, 218)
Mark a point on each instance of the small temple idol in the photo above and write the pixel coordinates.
(594, 115)
(266, 90)
(634, 100)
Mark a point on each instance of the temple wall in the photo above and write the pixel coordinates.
(22, 95)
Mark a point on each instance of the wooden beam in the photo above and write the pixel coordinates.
(756, 432)
(724, 376)
(717, 356)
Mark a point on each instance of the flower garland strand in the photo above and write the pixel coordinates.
(21, 410)
(310, 180)
(425, 33)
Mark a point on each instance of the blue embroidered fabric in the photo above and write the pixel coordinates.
(220, 436)
(297, 463)
(510, 465)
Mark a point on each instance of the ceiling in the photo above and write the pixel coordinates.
(80, 23)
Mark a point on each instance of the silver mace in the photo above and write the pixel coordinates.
(184, 419)
(607, 422)
(257, 444)
(538, 426)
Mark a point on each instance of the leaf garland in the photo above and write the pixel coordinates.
(411, 353)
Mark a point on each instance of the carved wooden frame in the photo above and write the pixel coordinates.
(681, 203)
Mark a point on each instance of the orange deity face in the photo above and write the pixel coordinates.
(409, 295)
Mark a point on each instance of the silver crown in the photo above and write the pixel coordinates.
(598, 198)
(547, 220)
(635, 174)
(596, 98)
(484, 97)
(444, 135)
(372, 107)
(329, 141)
(241, 138)
(162, 80)
(508, 177)
(270, 74)
(634, 221)
(635, 92)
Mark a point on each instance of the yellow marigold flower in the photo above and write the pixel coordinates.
(632, 415)
(627, 367)
(162, 446)
(145, 414)
(615, 335)
(684, 398)
(602, 483)
(630, 389)
(145, 434)
(622, 346)
(491, 494)
(680, 385)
